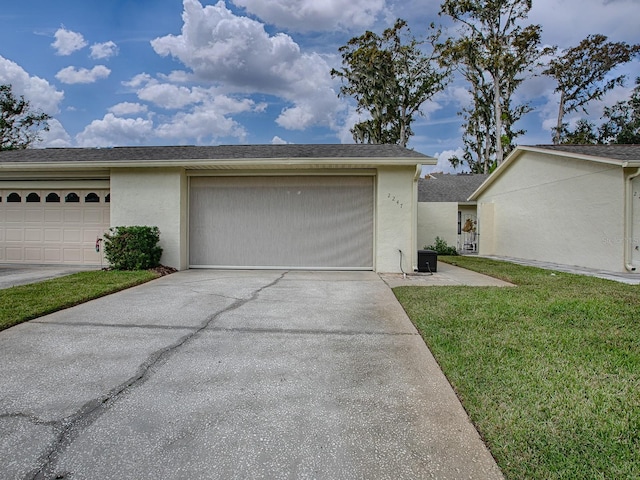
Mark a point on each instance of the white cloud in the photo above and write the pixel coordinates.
(443, 164)
(276, 140)
(104, 50)
(113, 131)
(314, 15)
(72, 75)
(67, 42)
(56, 137)
(177, 76)
(210, 120)
(42, 95)
(587, 17)
(240, 56)
(169, 96)
(128, 108)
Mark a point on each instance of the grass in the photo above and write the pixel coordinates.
(549, 371)
(26, 302)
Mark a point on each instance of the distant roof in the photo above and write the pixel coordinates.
(449, 187)
(616, 152)
(222, 152)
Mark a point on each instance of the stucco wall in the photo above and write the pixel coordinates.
(437, 219)
(158, 197)
(396, 218)
(154, 197)
(555, 209)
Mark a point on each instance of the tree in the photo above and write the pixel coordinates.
(478, 117)
(493, 44)
(19, 125)
(584, 134)
(623, 120)
(581, 72)
(390, 77)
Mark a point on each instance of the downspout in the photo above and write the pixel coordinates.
(628, 219)
(414, 223)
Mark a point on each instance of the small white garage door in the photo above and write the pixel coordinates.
(52, 226)
(306, 222)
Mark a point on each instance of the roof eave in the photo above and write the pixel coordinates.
(253, 163)
(581, 156)
(520, 149)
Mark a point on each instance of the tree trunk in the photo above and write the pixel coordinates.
(498, 113)
(487, 149)
(556, 135)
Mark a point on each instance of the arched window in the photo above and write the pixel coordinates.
(53, 198)
(107, 199)
(72, 198)
(33, 197)
(92, 198)
(14, 198)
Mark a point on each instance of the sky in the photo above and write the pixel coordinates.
(190, 72)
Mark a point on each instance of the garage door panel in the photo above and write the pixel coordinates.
(52, 215)
(14, 215)
(33, 254)
(305, 222)
(72, 215)
(33, 235)
(72, 235)
(14, 234)
(51, 232)
(92, 216)
(14, 254)
(33, 215)
(53, 235)
(52, 255)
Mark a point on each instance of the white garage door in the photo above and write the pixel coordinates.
(52, 226)
(308, 222)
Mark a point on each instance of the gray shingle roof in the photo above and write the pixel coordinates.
(449, 187)
(617, 152)
(222, 152)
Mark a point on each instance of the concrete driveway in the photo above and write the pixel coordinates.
(14, 275)
(232, 375)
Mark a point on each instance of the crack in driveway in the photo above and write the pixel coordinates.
(70, 428)
(30, 418)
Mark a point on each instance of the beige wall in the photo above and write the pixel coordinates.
(154, 197)
(555, 209)
(396, 218)
(159, 197)
(437, 219)
(634, 233)
(486, 223)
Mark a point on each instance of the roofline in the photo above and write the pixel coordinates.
(232, 163)
(519, 150)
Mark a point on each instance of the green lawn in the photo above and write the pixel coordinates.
(25, 302)
(549, 371)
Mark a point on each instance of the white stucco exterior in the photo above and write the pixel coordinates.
(437, 219)
(159, 197)
(556, 208)
(150, 185)
(153, 197)
(396, 219)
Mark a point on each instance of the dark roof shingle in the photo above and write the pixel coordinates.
(221, 152)
(617, 152)
(449, 187)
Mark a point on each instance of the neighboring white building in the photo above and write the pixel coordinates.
(243, 206)
(445, 212)
(567, 204)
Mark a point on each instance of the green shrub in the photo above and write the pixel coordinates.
(442, 248)
(133, 248)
